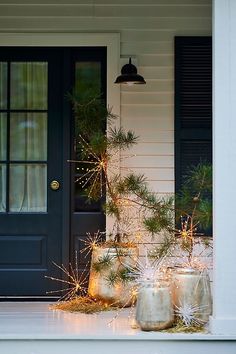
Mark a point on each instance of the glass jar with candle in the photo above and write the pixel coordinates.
(191, 288)
(154, 310)
(121, 294)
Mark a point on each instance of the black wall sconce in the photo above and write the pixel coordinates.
(129, 75)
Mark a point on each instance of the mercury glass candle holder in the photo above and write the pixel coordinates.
(191, 288)
(154, 310)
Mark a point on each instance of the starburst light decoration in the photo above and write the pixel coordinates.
(188, 314)
(92, 242)
(146, 271)
(99, 166)
(188, 230)
(193, 245)
(74, 284)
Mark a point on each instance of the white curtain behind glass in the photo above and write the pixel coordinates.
(3, 144)
(28, 138)
(28, 188)
(3, 116)
(2, 188)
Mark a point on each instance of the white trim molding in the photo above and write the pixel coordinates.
(223, 320)
(109, 40)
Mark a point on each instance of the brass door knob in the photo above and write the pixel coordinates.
(55, 185)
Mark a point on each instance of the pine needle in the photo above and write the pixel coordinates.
(180, 327)
(85, 305)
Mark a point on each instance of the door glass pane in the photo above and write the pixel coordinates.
(87, 82)
(87, 77)
(2, 188)
(28, 136)
(28, 188)
(3, 85)
(3, 136)
(29, 85)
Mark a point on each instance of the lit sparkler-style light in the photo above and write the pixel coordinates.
(198, 264)
(98, 166)
(92, 242)
(75, 283)
(188, 230)
(188, 314)
(145, 271)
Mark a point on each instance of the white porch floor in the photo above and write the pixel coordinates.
(31, 328)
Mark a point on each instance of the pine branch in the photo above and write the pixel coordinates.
(103, 263)
(156, 223)
(111, 208)
(95, 150)
(118, 138)
(98, 143)
(164, 248)
(195, 197)
(125, 275)
(199, 178)
(91, 113)
(205, 213)
(112, 278)
(130, 184)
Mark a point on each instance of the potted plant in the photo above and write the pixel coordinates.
(193, 208)
(192, 212)
(98, 147)
(191, 285)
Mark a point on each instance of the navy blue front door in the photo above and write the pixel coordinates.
(40, 221)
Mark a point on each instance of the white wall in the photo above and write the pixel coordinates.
(147, 30)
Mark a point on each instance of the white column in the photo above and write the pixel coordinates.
(223, 320)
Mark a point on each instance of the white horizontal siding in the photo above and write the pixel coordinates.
(159, 115)
(152, 87)
(163, 174)
(147, 98)
(152, 149)
(147, 31)
(159, 186)
(147, 134)
(148, 161)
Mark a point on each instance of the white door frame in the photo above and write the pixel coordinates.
(109, 40)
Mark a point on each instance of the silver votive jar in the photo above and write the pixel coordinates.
(120, 294)
(154, 310)
(191, 287)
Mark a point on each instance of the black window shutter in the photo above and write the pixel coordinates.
(193, 103)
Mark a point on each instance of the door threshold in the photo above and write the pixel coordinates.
(29, 298)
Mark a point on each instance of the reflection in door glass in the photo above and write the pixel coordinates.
(87, 77)
(2, 188)
(28, 136)
(29, 85)
(3, 85)
(28, 188)
(87, 82)
(3, 136)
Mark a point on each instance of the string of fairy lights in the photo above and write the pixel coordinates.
(96, 169)
(146, 270)
(99, 165)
